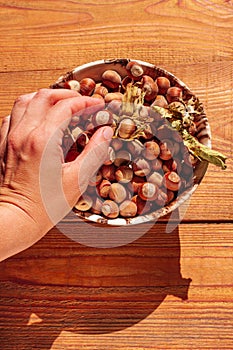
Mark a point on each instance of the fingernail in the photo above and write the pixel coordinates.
(108, 133)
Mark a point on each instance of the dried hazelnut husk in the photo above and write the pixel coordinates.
(134, 70)
(124, 174)
(72, 85)
(126, 128)
(156, 178)
(117, 192)
(110, 209)
(174, 93)
(141, 167)
(122, 157)
(148, 191)
(128, 209)
(172, 181)
(151, 151)
(163, 84)
(150, 88)
(84, 203)
(103, 188)
(135, 147)
(108, 171)
(102, 117)
(111, 79)
(113, 96)
(143, 207)
(87, 86)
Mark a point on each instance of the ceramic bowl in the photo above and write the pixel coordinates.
(95, 70)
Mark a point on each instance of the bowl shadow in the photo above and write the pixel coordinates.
(59, 285)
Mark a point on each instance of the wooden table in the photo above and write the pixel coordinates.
(164, 290)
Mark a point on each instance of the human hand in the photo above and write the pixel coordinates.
(37, 187)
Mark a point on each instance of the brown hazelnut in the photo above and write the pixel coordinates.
(150, 88)
(165, 151)
(126, 128)
(103, 188)
(124, 174)
(111, 79)
(172, 181)
(122, 157)
(148, 191)
(143, 207)
(156, 164)
(113, 96)
(128, 209)
(116, 144)
(135, 147)
(141, 167)
(97, 96)
(96, 179)
(136, 182)
(156, 178)
(151, 150)
(87, 86)
(169, 165)
(163, 84)
(84, 203)
(72, 85)
(83, 139)
(110, 209)
(111, 156)
(102, 117)
(160, 101)
(161, 199)
(117, 192)
(108, 171)
(134, 70)
(174, 93)
(101, 90)
(97, 206)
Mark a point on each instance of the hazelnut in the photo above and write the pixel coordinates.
(101, 90)
(148, 191)
(137, 181)
(97, 206)
(156, 164)
(143, 207)
(174, 94)
(122, 157)
(110, 209)
(117, 192)
(111, 79)
(124, 174)
(163, 84)
(126, 128)
(165, 151)
(83, 140)
(160, 101)
(75, 120)
(161, 199)
(96, 179)
(97, 96)
(134, 70)
(163, 132)
(102, 117)
(114, 105)
(151, 151)
(169, 165)
(172, 181)
(72, 85)
(103, 188)
(108, 171)
(150, 88)
(111, 156)
(84, 203)
(113, 96)
(125, 81)
(116, 144)
(87, 86)
(156, 178)
(135, 147)
(141, 167)
(128, 209)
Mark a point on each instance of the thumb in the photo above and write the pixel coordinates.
(83, 168)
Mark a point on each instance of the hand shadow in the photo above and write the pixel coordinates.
(86, 290)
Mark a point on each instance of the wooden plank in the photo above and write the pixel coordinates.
(163, 291)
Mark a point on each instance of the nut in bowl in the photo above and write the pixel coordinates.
(161, 145)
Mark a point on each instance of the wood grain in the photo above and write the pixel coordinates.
(164, 290)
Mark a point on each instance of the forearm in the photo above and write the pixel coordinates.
(18, 230)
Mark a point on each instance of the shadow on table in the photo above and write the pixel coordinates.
(59, 285)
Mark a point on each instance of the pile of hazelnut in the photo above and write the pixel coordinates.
(148, 164)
